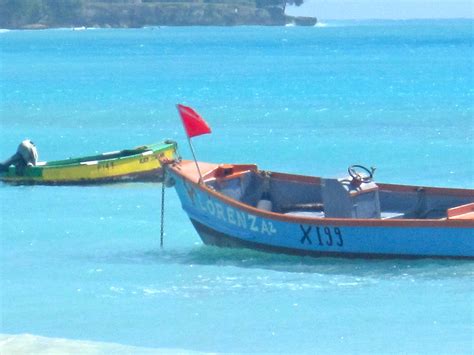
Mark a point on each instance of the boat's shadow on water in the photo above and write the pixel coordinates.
(249, 259)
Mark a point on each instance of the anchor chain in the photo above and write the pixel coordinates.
(165, 182)
(162, 227)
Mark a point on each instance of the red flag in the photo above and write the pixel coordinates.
(192, 122)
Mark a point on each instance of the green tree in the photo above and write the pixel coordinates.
(277, 3)
(64, 11)
(16, 13)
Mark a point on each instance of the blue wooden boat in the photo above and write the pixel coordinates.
(241, 206)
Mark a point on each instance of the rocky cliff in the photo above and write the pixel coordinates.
(139, 13)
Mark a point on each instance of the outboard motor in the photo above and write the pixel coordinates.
(26, 155)
(356, 196)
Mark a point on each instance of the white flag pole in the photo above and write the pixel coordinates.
(195, 160)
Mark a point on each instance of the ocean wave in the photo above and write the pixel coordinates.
(34, 344)
(379, 269)
(4, 30)
(371, 268)
(321, 24)
(197, 285)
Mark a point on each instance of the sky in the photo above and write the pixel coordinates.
(383, 9)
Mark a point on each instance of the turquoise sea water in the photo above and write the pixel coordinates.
(84, 263)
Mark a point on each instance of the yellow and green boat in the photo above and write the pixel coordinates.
(137, 164)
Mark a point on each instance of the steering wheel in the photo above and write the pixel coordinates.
(360, 173)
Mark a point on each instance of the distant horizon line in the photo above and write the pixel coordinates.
(397, 19)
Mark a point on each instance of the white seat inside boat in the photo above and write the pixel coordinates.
(391, 215)
(310, 214)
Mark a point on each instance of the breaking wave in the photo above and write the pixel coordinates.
(33, 344)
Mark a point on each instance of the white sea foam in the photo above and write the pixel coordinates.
(4, 30)
(33, 344)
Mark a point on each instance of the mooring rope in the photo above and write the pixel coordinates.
(162, 206)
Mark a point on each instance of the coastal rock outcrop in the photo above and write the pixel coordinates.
(140, 13)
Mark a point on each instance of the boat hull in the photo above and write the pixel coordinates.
(213, 237)
(140, 164)
(224, 222)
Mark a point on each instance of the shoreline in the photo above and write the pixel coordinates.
(322, 23)
(295, 21)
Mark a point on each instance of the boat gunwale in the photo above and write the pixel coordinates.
(358, 222)
(75, 162)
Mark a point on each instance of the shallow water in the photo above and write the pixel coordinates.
(84, 263)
